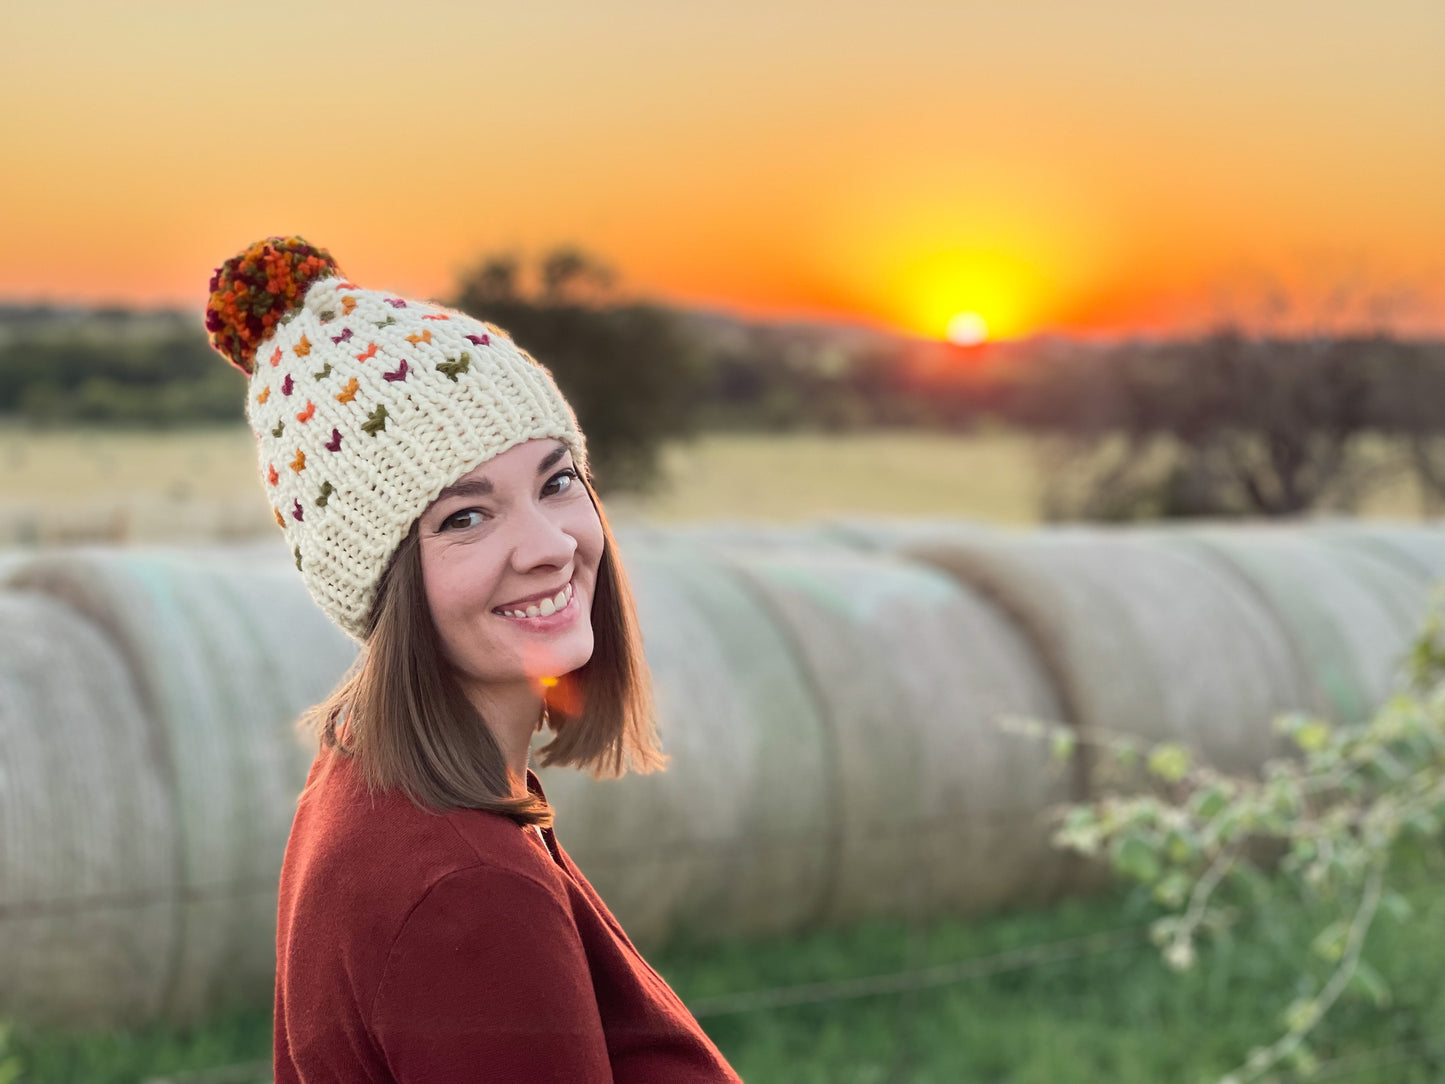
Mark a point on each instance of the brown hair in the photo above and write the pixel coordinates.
(413, 729)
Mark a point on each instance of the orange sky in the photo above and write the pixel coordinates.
(1092, 168)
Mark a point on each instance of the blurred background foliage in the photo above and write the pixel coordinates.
(1225, 424)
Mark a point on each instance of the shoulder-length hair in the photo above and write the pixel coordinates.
(412, 728)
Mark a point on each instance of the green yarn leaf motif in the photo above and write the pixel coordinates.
(452, 368)
(377, 422)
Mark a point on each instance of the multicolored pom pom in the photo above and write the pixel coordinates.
(255, 290)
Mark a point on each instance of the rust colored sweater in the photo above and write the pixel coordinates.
(447, 948)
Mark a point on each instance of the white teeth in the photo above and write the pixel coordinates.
(546, 607)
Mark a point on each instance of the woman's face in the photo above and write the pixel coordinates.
(505, 540)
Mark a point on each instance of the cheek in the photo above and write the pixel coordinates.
(454, 590)
(590, 542)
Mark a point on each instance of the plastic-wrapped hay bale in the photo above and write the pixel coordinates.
(225, 659)
(744, 535)
(89, 892)
(937, 808)
(731, 838)
(890, 534)
(1418, 550)
(1350, 614)
(1141, 639)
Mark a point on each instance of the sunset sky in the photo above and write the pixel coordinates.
(1100, 168)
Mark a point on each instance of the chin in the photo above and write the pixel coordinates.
(544, 660)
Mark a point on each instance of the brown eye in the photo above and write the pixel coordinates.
(461, 520)
(569, 476)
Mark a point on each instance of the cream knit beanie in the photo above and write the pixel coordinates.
(365, 406)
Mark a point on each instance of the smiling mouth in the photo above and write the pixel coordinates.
(544, 608)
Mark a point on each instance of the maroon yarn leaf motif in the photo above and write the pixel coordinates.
(396, 302)
(296, 511)
(344, 337)
(480, 340)
(400, 373)
(334, 444)
(287, 385)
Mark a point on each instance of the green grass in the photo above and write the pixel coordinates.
(1119, 1017)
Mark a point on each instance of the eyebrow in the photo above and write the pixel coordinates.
(482, 487)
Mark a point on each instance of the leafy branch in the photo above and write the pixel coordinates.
(1337, 821)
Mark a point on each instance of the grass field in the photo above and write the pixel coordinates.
(1115, 1015)
(93, 485)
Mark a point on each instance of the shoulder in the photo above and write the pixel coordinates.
(358, 865)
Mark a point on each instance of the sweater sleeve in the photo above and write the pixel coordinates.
(488, 981)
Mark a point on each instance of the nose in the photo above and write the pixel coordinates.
(541, 541)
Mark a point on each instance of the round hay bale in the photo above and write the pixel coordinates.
(938, 808)
(89, 892)
(1418, 550)
(744, 535)
(1350, 614)
(225, 658)
(892, 534)
(1141, 639)
(732, 837)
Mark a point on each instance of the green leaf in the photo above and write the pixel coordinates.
(1372, 984)
(1313, 736)
(1169, 762)
(1329, 943)
(1208, 801)
(1173, 888)
(1396, 906)
(1136, 858)
(1181, 846)
(1302, 1014)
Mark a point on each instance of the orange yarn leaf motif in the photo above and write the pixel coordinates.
(436, 316)
(276, 357)
(305, 415)
(299, 463)
(370, 352)
(279, 521)
(347, 304)
(265, 394)
(271, 475)
(303, 347)
(423, 337)
(348, 393)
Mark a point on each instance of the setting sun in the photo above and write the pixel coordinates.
(967, 329)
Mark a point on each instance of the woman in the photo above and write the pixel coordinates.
(432, 485)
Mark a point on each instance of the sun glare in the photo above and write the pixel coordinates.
(967, 329)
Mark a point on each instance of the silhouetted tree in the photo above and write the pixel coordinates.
(631, 370)
(1224, 425)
